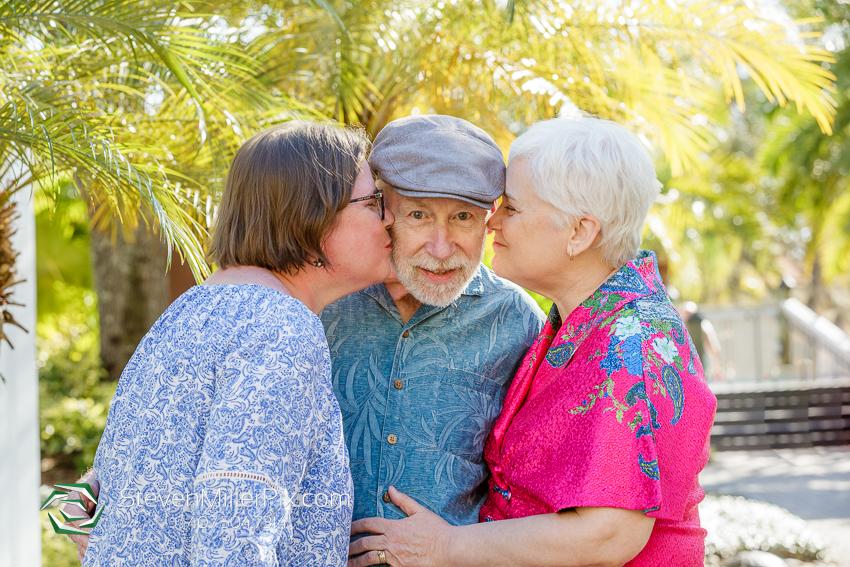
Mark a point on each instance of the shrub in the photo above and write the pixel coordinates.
(735, 524)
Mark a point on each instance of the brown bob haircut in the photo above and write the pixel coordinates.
(285, 186)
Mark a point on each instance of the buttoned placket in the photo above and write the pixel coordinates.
(394, 393)
(392, 438)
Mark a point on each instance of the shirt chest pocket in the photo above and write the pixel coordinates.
(465, 406)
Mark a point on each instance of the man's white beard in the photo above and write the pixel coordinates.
(440, 295)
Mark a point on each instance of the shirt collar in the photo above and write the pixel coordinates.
(476, 284)
(635, 279)
(379, 293)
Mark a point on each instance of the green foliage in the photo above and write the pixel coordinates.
(74, 402)
(657, 66)
(717, 229)
(56, 550)
(63, 245)
(141, 104)
(125, 99)
(769, 200)
(812, 170)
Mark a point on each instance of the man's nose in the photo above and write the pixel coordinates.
(440, 245)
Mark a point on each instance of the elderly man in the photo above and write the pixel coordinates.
(422, 362)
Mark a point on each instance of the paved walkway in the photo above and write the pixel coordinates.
(811, 483)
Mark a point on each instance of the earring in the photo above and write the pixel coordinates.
(571, 255)
(318, 263)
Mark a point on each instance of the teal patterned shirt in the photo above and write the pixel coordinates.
(418, 399)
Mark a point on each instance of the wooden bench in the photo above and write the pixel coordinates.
(780, 414)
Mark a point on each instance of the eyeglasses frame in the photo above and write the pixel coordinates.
(379, 195)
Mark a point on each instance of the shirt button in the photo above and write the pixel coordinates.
(386, 497)
(405, 334)
(392, 439)
(398, 384)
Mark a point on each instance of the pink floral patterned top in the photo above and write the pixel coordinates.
(609, 409)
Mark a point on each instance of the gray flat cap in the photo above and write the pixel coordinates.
(439, 156)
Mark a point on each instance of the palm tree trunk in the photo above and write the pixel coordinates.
(8, 273)
(133, 291)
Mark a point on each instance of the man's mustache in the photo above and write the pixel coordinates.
(428, 262)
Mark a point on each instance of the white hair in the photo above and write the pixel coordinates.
(588, 166)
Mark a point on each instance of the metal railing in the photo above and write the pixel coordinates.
(784, 342)
(816, 347)
(787, 378)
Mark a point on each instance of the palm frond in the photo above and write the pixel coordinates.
(140, 103)
(65, 144)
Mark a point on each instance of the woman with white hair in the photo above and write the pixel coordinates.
(605, 428)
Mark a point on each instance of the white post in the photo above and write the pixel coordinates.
(20, 469)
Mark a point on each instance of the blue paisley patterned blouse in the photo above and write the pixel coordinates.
(224, 441)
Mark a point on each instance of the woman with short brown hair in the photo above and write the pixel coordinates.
(224, 440)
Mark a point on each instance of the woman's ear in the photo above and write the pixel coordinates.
(583, 235)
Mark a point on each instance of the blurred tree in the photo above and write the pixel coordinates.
(716, 227)
(812, 170)
(656, 66)
(770, 199)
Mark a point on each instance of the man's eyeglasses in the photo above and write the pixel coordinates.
(379, 196)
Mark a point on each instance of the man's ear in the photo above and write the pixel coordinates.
(390, 196)
(492, 211)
